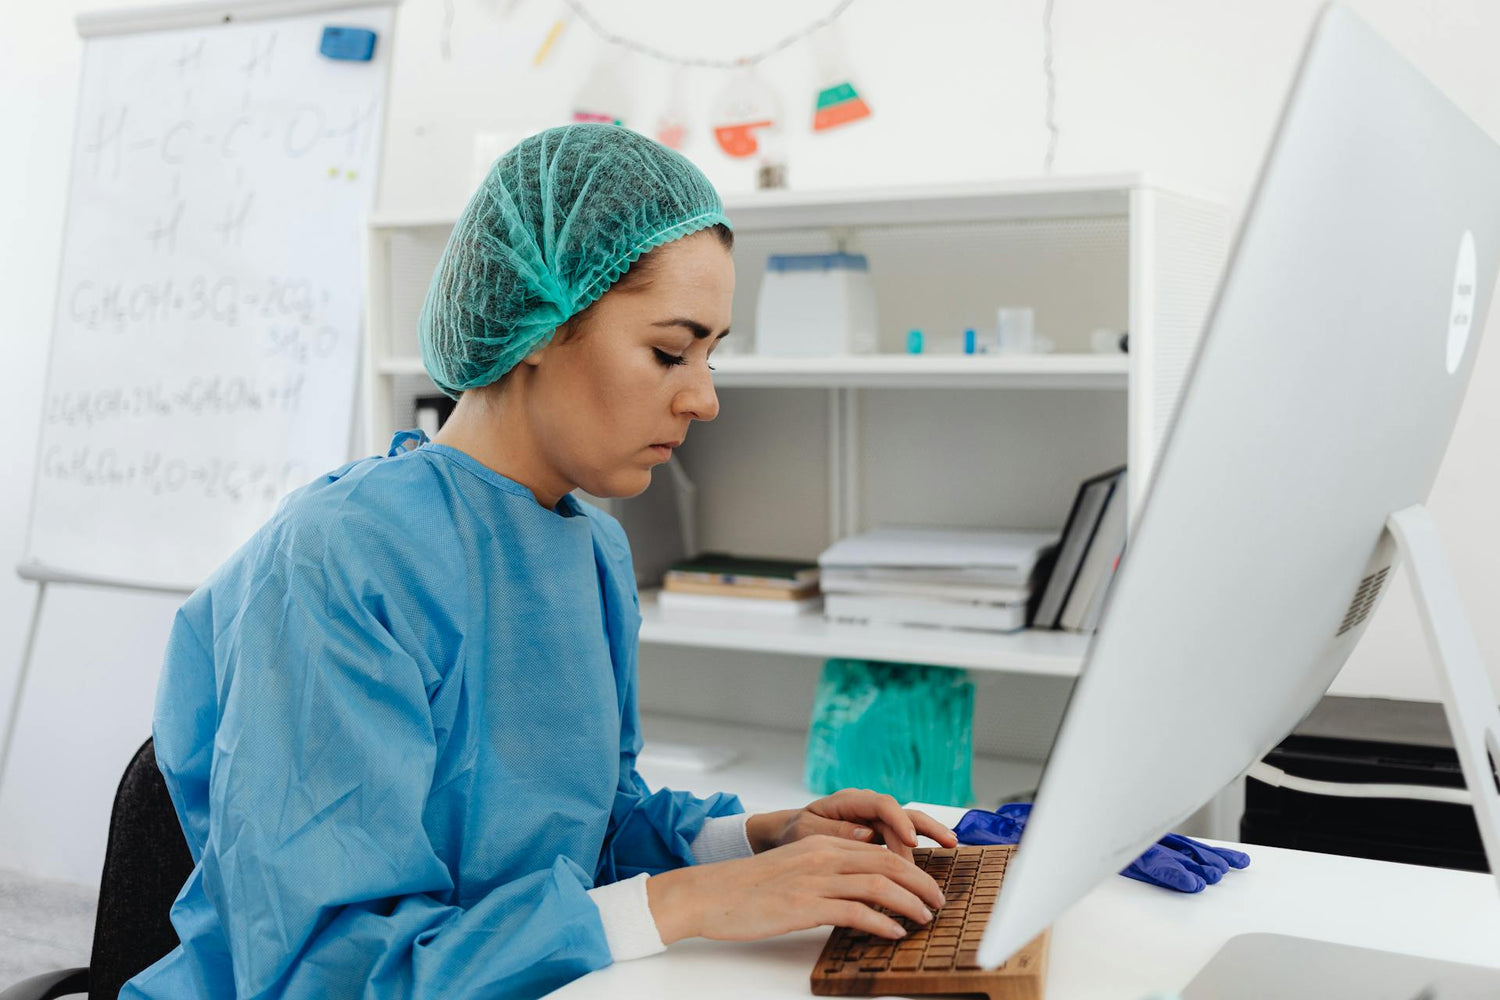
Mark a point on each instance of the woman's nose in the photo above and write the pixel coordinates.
(699, 401)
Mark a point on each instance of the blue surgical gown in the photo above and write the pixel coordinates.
(399, 727)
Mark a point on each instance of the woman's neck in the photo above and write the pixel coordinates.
(490, 427)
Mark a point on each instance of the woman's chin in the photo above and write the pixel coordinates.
(623, 484)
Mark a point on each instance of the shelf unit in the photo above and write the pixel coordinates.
(808, 450)
(979, 371)
(1032, 651)
(1174, 244)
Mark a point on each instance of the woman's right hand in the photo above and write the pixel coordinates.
(813, 882)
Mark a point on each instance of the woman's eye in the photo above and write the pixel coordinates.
(669, 360)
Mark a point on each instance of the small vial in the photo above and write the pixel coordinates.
(1015, 330)
(914, 342)
(969, 341)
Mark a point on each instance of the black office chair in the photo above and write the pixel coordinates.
(146, 864)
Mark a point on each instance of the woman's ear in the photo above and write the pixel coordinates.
(559, 335)
(535, 357)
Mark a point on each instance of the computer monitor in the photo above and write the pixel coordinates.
(1320, 401)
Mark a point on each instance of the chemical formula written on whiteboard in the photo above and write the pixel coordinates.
(295, 132)
(206, 333)
(156, 474)
(295, 128)
(224, 300)
(206, 396)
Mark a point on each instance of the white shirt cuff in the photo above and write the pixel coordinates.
(722, 838)
(625, 911)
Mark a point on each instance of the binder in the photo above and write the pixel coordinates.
(1083, 522)
(1098, 562)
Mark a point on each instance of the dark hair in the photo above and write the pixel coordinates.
(640, 273)
(636, 278)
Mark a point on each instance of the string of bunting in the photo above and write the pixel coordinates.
(644, 49)
(746, 113)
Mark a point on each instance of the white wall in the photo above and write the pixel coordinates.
(1184, 87)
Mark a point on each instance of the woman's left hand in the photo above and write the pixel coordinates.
(854, 814)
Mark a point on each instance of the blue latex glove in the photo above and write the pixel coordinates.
(1173, 862)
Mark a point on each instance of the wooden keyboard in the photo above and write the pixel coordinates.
(940, 957)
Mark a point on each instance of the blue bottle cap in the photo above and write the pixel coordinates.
(914, 342)
(969, 341)
(782, 262)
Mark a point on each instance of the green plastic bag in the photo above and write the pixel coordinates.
(901, 728)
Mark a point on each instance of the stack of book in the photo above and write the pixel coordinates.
(718, 582)
(1087, 557)
(936, 577)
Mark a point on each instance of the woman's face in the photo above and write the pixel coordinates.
(610, 403)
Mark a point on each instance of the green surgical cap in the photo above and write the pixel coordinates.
(555, 223)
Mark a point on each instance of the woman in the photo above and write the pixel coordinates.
(399, 726)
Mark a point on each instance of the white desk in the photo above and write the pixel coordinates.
(1127, 940)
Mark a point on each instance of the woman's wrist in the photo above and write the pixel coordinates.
(670, 896)
(763, 830)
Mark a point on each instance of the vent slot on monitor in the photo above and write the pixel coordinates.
(1364, 599)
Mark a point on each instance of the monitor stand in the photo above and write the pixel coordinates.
(1253, 966)
(1468, 698)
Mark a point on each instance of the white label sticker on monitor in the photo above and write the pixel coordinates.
(1461, 317)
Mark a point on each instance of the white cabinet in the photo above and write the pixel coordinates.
(808, 450)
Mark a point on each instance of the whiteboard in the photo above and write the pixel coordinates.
(206, 332)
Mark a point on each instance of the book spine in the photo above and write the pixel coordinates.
(669, 600)
(1009, 618)
(742, 579)
(738, 591)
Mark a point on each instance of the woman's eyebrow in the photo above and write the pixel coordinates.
(699, 330)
